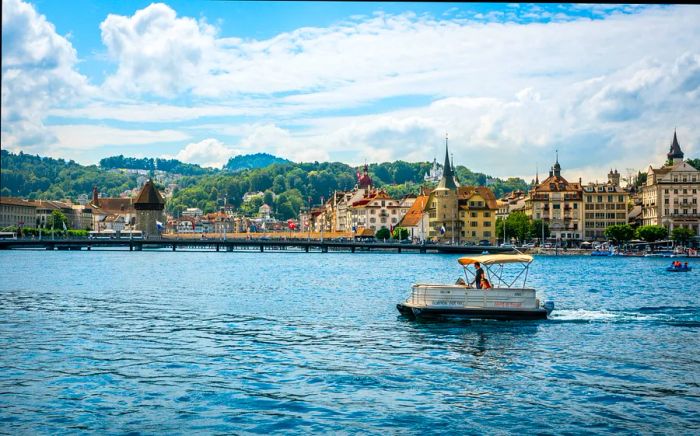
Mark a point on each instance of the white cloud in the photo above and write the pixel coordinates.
(86, 137)
(156, 51)
(37, 74)
(209, 152)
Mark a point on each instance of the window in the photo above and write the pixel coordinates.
(556, 206)
(474, 224)
(487, 214)
(600, 199)
(575, 205)
(487, 223)
(473, 214)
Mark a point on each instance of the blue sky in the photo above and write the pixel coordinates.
(353, 81)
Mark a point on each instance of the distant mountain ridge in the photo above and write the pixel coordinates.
(252, 161)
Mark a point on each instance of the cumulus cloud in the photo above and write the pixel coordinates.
(156, 51)
(37, 74)
(209, 152)
(86, 136)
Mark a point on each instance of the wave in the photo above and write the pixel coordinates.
(677, 316)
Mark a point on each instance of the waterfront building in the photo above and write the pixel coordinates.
(460, 213)
(604, 205)
(17, 212)
(416, 219)
(44, 209)
(149, 205)
(374, 211)
(104, 209)
(671, 195)
(512, 202)
(559, 203)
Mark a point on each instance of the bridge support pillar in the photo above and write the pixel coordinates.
(399, 249)
(352, 249)
(173, 247)
(217, 247)
(131, 247)
(306, 248)
(324, 249)
(89, 247)
(262, 248)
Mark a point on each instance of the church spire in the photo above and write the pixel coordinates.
(447, 181)
(675, 152)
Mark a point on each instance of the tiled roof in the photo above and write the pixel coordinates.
(113, 205)
(149, 197)
(556, 184)
(415, 213)
(466, 192)
(13, 201)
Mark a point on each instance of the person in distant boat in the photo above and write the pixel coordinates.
(479, 275)
(485, 284)
(685, 265)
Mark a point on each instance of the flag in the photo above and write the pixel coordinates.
(159, 225)
(64, 225)
(442, 230)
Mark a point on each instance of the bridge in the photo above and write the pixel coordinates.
(247, 245)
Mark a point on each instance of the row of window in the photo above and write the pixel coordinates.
(685, 212)
(684, 190)
(685, 201)
(610, 198)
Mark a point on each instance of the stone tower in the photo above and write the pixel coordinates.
(149, 205)
(444, 199)
(614, 178)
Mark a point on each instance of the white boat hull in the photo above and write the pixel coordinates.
(461, 301)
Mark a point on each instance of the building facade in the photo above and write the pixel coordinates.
(559, 203)
(671, 195)
(604, 205)
(15, 212)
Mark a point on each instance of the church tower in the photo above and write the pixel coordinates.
(444, 217)
(675, 154)
(149, 205)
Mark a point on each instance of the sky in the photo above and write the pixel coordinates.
(202, 81)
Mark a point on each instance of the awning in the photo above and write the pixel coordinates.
(489, 259)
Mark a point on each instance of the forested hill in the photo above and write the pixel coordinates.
(34, 177)
(251, 161)
(292, 183)
(169, 165)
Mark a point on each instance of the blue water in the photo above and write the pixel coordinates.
(162, 342)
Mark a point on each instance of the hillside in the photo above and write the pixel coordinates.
(296, 185)
(251, 161)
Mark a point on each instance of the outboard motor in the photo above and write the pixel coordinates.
(549, 306)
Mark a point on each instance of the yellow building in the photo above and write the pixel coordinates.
(459, 214)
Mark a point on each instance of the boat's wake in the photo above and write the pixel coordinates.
(681, 316)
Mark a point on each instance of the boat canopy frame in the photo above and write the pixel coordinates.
(494, 267)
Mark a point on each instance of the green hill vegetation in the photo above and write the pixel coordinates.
(251, 161)
(295, 185)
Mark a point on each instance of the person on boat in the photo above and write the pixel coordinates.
(485, 284)
(478, 276)
(685, 266)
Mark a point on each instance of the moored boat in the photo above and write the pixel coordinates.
(504, 301)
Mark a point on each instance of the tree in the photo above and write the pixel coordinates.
(695, 163)
(518, 225)
(619, 233)
(537, 229)
(56, 220)
(400, 233)
(383, 234)
(652, 233)
(681, 234)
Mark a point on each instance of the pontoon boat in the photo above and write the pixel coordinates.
(504, 301)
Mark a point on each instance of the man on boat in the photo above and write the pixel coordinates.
(478, 276)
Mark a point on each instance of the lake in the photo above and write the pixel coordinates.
(163, 342)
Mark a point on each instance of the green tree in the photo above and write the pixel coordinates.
(619, 233)
(537, 229)
(56, 220)
(518, 226)
(695, 163)
(400, 233)
(383, 234)
(681, 234)
(652, 233)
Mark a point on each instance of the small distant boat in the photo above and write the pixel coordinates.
(662, 254)
(601, 253)
(679, 269)
(504, 301)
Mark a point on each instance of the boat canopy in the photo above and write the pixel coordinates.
(489, 259)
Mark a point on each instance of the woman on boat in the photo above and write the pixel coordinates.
(485, 284)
